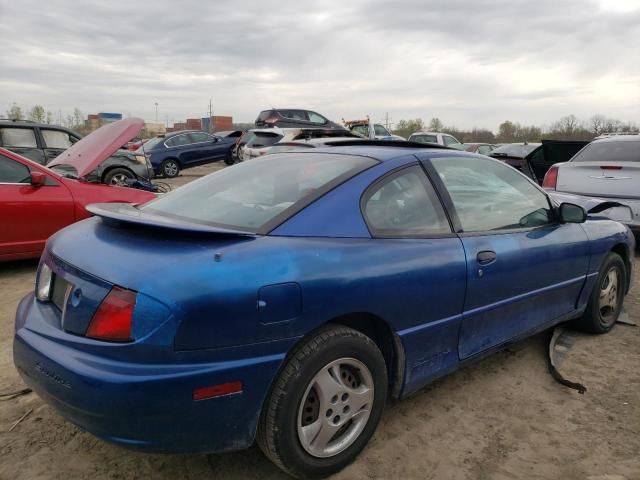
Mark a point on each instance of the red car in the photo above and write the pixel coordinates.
(37, 201)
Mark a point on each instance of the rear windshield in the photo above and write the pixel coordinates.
(424, 138)
(263, 139)
(515, 150)
(150, 144)
(256, 196)
(264, 115)
(609, 152)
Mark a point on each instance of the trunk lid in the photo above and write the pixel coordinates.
(603, 179)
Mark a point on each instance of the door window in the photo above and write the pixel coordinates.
(318, 119)
(295, 114)
(197, 137)
(404, 205)
(484, 149)
(489, 195)
(18, 137)
(13, 172)
(56, 139)
(380, 130)
(361, 130)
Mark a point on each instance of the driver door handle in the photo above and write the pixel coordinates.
(486, 257)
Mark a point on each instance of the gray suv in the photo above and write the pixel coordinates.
(43, 142)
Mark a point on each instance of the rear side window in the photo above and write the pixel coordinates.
(450, 140)
(18, 137)
(361, 130)
(264, 115)
(56, 139)
(489, 195)
(404, 205)
(12, 171)
(484, 149)
(294, 114)
(179, 140)
(263, 139)
(609, 152)
(424, 138)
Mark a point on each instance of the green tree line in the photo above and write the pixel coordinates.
(37, 113)
(566, 128)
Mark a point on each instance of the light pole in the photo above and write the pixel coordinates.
(156, 104)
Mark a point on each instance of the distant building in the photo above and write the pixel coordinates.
(154, 129)
(194, 124)
(217, 123)
(94, 121)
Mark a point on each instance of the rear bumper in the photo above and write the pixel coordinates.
(143, 406)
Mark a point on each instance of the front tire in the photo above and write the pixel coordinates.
(118, 176)
(605, 302)
(325, 405)
(170, 168)
(228, 159)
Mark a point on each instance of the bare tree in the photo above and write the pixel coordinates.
(436, 125)
(37, 114)
(15, 112)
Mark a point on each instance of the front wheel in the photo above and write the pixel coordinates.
(170, 168)
(607, 296)
(118, 176)
(325, 404)
(228, 159)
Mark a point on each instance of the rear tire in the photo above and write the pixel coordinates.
(228, 159)
(170, 168)
(325, 405)
(605, 302)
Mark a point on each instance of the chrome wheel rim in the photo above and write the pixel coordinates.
(608, 301)
(335, 407)
(119, 179)
(170, 169)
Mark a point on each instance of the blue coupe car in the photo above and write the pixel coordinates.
(176, 151)
(285, 299)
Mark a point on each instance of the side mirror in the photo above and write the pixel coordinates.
(571, 213)
(38, 179)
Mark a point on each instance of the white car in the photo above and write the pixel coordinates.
(436, 137)
(608, 169)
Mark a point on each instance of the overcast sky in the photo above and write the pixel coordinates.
(468, 62)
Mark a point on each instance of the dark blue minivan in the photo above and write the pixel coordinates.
(176, 151)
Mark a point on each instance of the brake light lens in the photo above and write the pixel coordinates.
(114, 319)
(271, 120)
(610, 167)
(550, 178)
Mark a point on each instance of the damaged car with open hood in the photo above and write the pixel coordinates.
(37, 201)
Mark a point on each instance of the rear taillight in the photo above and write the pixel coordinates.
(610, 167)
(271, 120)
(550, 178)
(114, 318)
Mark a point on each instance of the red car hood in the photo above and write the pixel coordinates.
(95, 148)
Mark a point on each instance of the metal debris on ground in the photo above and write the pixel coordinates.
(17, 393)
(559, 344)
(20, 419)
(625, 319)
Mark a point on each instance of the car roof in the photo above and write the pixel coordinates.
(180, 132)
(29, 124)
(618, 138)
(381, 150)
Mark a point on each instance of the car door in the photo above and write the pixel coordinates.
(205, 147)
(424, 273)
(23, 141)
(30, 214)
(55, 142)
(525, 270)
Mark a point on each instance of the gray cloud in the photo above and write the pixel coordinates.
(471, 63)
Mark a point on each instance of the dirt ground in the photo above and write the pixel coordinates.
(501, 418)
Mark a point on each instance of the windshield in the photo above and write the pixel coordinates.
(258, 194)
(145, 147)
(515, 150)
(609, 152)
(262, 139)
(424, 138)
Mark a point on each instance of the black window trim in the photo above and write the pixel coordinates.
(451, 210)
(368, 192)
